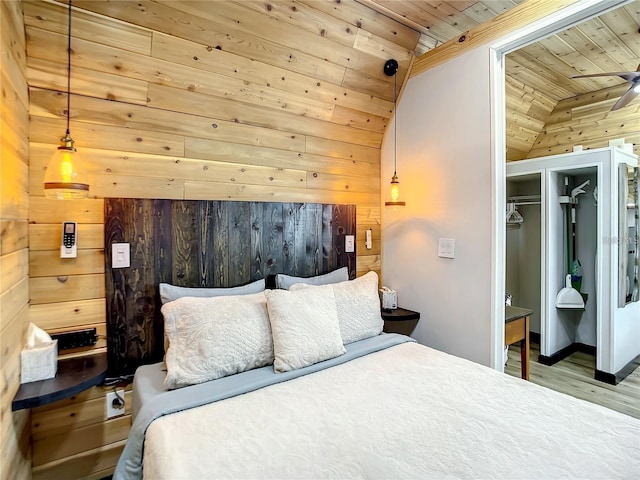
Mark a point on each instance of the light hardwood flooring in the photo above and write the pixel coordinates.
(574, 376)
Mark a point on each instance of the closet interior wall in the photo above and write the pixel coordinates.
(524, 251)
(572, 326)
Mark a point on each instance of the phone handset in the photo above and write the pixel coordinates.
(69, 248)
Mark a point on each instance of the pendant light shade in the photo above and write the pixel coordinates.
(395, 192)
(66, 177)
(391, 68)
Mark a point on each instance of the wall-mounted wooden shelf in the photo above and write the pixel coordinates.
(74, 375)
(400, 320)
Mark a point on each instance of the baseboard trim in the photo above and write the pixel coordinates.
(565, 352)
(534, 337)
(616, 378)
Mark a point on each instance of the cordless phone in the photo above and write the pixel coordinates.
(68, 249)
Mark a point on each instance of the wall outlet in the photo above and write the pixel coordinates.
(115, 404)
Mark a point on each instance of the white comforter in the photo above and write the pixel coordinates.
(405, 412)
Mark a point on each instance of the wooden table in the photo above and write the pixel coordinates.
(516, 329)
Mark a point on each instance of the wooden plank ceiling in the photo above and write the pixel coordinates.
(548, 112)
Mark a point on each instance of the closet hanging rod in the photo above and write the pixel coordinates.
(525, 199)
(518, 198)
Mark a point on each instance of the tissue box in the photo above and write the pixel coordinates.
(39, 363)
(388, 299)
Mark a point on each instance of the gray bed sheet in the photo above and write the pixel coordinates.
(148, 382)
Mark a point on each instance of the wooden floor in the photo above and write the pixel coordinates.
(574, 376)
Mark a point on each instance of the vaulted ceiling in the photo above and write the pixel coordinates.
(547, 110)
(609, 43)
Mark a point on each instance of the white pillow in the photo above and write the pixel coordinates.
(339, 275)
(304, 325)
(169, 293)
(358, 307)
(214, 337)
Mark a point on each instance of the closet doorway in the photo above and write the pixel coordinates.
(524, 260)
(540, 122)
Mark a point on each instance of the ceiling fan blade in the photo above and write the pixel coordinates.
(624, 100)
(628, 76)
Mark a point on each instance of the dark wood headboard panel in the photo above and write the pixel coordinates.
(207, 244)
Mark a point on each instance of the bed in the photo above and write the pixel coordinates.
(384, 407)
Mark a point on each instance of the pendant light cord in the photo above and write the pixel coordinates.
(395, 124)
(69, 72)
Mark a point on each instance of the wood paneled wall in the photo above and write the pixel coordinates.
(15, 457)
(71, 438)
(180, 100)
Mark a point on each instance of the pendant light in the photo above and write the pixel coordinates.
(391, 68)
(66, 177)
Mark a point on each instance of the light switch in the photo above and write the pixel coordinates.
(120, 256)
(349, 243)
(446, 247)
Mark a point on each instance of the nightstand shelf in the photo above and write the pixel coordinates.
(74, 375)
(400, 320)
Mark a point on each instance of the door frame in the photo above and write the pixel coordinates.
(567, 17)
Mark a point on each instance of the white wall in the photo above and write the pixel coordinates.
(444, 167)
(587, 236)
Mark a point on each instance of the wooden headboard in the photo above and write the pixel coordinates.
(195, 243)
